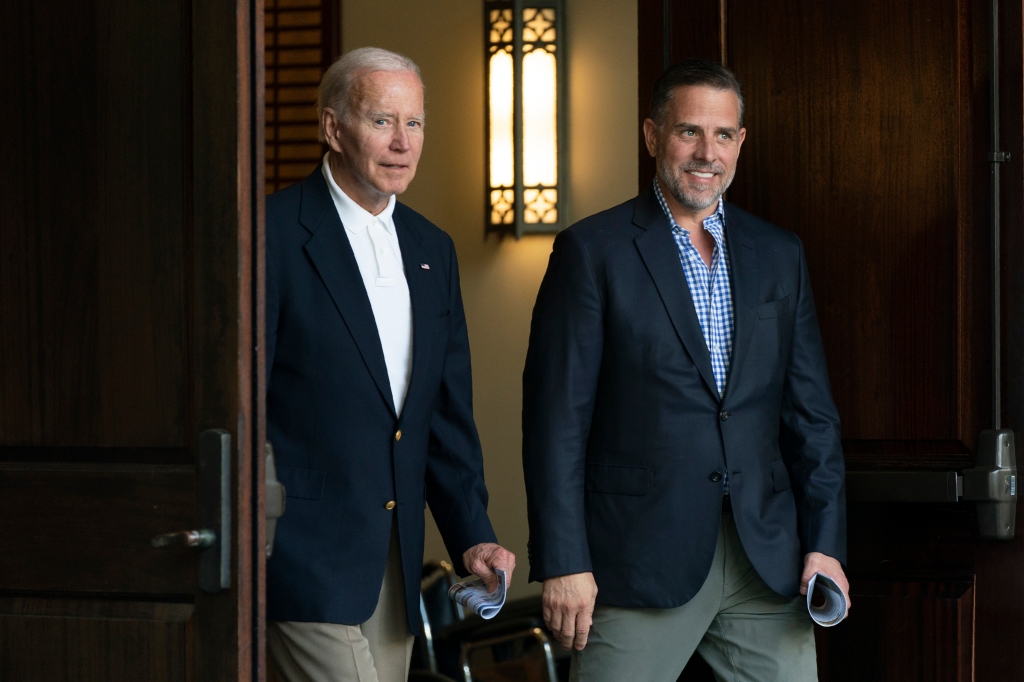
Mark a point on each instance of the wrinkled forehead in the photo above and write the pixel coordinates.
(702, 103)
(389, 89)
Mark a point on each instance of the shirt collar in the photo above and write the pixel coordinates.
(713, 223)
(353, 216)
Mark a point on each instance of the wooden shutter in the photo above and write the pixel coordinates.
(302, 39)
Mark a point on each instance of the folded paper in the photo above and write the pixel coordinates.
(473, 595)
(833, 610)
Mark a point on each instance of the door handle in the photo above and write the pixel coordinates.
(991, 484)
(186, 538)
(275, 498)
(214, 540)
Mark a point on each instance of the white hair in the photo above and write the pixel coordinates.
(335, 91)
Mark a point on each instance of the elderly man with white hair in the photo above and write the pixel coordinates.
(369, 398)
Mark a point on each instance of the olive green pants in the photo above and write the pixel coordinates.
(744, 630)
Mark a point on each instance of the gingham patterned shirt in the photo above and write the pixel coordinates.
(711, 290)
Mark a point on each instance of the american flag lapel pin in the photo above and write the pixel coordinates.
(424, 266)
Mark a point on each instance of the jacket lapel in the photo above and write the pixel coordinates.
(743, 266)
(331, 253)
(661, 256)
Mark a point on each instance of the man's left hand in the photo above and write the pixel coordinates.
(816, 562)
(482, 559)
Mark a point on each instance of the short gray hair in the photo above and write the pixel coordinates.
(335, 89)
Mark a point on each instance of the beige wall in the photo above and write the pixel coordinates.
(500, 278)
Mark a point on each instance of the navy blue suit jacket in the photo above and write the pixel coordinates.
(624, 434)
(331, 416)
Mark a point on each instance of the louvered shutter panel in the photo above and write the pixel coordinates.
(301, 42)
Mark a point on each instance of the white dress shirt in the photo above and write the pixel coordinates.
(375, 245)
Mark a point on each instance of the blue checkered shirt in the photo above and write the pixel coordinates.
(711, 290)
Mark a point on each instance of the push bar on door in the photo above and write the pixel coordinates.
(991, 484)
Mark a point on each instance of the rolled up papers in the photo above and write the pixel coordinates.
(473, 595)
(833, 611)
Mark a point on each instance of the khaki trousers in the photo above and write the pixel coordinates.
(744, 630)
(378, 650)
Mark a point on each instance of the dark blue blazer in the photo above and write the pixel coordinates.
(332, 421)
(625, 437)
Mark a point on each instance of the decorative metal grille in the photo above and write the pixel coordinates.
(526, 139)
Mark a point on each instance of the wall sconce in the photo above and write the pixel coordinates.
(526, 141)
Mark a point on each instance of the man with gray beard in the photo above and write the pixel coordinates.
(681, 448)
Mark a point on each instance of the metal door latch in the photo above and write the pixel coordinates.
(186, 538)
(992, 484)
(275, 498)
(214, 474)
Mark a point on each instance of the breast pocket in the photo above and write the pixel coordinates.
(774, 308)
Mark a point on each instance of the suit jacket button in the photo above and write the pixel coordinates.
(390, 505)
(723, 415)
(716, 477)
(398, 434)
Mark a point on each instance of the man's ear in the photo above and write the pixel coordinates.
(332, 128)
(651, 136)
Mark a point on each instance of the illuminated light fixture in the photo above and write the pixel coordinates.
(526, 141)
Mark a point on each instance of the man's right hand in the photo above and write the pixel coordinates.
(569, 607)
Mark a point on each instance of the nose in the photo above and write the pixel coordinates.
(400, 139)
(704, 150)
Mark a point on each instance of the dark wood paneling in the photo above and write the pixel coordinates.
(1001, 597)
(249, 630)
(651, 62)
(131, 193)
(94, 641)
(929, 633)
(226, 133)
(91, 345)
(857, 109)
(697, 29)
(88, 528)
(256, 495)
(1012, 134)
(25, 453)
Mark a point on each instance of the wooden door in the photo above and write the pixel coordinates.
(130, 322)
(868, 134)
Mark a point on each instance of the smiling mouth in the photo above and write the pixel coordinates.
(702, 174)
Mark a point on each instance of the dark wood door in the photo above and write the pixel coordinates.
(130, 318)
(868, 134)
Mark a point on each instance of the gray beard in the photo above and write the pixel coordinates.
(694, 202)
